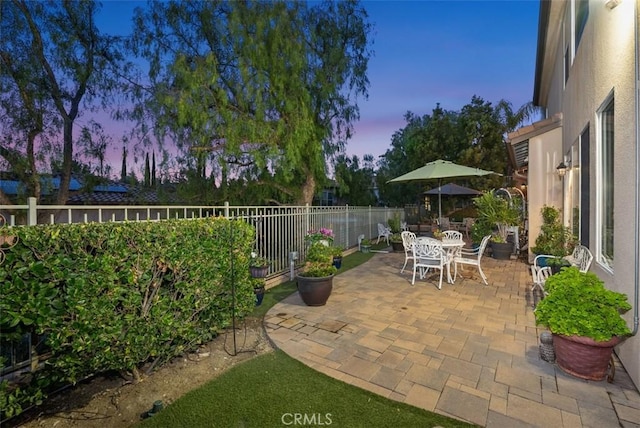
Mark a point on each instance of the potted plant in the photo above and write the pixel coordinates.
(365, 245)
(259, 289)
(479, 230)
(336, 252)
(315, 281)
(395, 223)
(557, 263)
(322, 235)
(258, 266)
(554, 239)
(396, 242)
(584, 319)
(499, 213)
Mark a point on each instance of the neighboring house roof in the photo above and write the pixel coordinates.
(115, 194)
(48, 185)
(112, 193)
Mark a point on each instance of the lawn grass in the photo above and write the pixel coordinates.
(271, 390)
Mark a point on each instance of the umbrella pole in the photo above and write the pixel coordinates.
(440, 204)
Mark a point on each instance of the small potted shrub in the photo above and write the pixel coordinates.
(554, 239)
(396, 242)
(315, 281)
(258, 289)
(584, 319)
(336, 252)
(365, 245)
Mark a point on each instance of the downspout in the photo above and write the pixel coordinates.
(637, 207)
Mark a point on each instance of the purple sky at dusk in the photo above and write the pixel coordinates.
(429, 52)
(425, 52)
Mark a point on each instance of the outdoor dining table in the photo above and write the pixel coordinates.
(451, 248)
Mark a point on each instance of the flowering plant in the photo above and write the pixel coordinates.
(319, 261)
(322, 234)
(257, 261)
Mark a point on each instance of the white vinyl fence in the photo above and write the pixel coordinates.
(280, 230)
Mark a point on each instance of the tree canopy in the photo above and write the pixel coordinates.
(55, 63)
(474, 136)
(265, 90)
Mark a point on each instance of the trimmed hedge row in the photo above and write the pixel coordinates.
(117, 296)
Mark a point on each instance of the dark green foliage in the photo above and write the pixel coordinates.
(554, 239)
(395, 223)
(116, 296)
(579, 304)
(319, 261)
(496, 212)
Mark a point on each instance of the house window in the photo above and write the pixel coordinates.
(585, 187)
(580, 20)
(606, 188)
(575, 20)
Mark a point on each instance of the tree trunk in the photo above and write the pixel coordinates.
(308, 190)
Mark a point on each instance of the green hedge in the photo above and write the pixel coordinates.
(117, 296)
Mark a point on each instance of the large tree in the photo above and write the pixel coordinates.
(356, 181)
(55, 63)
(255, 86)
(474, 136)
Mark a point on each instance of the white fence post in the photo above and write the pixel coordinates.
(32, 216)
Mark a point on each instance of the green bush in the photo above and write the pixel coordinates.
(554, 239)
(395, 223)
(120, 296)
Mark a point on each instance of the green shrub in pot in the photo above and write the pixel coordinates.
(578, 304)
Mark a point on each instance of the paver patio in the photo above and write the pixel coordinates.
(467, 351)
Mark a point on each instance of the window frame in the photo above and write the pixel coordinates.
(605, 201)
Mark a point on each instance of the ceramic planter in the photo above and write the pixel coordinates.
(365, 248)
(258, 271)
(397, 247)
(501, 250)
(315, 291)
(259, 291)
(337, 262)
(583, 357)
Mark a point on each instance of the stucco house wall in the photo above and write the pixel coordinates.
(604, 66)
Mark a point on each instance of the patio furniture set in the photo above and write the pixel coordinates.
(427, 253)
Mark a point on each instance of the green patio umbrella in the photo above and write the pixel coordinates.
(437, 170)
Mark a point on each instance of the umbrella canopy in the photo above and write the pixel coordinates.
(440, 169)
(452, 189)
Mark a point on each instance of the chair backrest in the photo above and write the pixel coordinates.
(408, 238)
(581, 258)
(452, 235)
(444, 223)
(404, 226)
(483, 246)
(428, 249)
(383, 230)
(544, 273)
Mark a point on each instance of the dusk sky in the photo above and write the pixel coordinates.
(427, 52)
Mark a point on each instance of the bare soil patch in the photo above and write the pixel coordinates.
(114, 402)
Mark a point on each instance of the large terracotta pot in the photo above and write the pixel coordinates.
(583, 357)
(315, 291)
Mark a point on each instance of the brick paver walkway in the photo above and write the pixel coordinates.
(468, 351)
